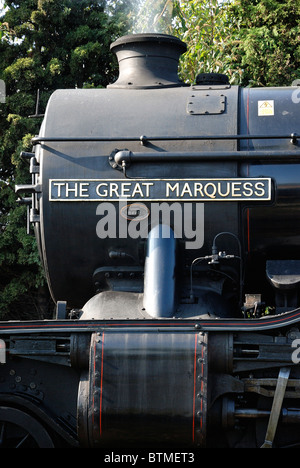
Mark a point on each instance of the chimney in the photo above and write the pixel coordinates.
(148, 61)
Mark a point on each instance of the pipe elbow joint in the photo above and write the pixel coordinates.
(123, 157)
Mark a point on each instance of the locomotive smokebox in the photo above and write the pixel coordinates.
(148, 61)
(206, 159)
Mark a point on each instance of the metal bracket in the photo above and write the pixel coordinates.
(28, 189)
(2, 352)
(206, 104)
(61, 310)
(119, 278)
(282, 381)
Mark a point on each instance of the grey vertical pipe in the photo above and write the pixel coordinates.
(159, 278)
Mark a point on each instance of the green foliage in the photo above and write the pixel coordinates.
(44, 45)
(203, 27)
(256, 43)
(200, 24)
(264, 46)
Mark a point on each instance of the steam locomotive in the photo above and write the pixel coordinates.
(167, 217)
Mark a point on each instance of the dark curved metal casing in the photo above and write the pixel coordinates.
(198, 133)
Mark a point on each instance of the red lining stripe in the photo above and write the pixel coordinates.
(195, 378)
(94, 382)
(252, 324)
(202, 387)
(248, 228)
(101, 385)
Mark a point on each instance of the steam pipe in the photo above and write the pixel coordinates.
(159, 279)
(129, 157)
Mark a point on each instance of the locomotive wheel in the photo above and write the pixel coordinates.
(20, 430)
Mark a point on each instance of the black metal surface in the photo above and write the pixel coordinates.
(43, 388)
(231, 144)
(20, 430)
(144, 385)
(284, 274)
(148, 61)
(152, 344)
(70, 269)
(212, 79)
(146, 390)
(146, 139)
(272, 322)
(129, 157)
